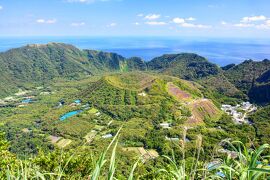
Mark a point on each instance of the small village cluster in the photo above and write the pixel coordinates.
(23, 97)
(240, 112)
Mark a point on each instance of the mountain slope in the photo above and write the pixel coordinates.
(36, 64)
(220, 84)
(196, 68)
(143, 95)
(264, 78)
(244, 75)
(262, 124)
(186, 66)
(252, 78)
(104, 61)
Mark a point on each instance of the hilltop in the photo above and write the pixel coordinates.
(129, 94)
(185, 65)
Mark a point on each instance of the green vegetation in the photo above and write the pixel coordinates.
(186, 66)
(261, 120)
(39, 64)
(244, 74)
(251, 77)
(246, 163)
(93, 111)
(170, 127)
(35, 65)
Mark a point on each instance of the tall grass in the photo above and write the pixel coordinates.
(248, 164)
(102, 160)
(178, 170)
(27, 170)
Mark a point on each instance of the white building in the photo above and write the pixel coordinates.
(236, 111)
(165, 125)
(106, 136)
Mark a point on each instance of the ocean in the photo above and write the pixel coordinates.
(219, 51)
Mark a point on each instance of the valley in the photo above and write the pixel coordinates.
(101, 105)
(158, 105)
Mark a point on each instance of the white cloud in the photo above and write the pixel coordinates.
(140, 15)
(263, 26)
(253, 18)
(112, 25)
(202, 26)
(190, 19)
(259, 22)
(179, 20)
(244, 25)
(152, 16)
(136, 23)
(189, 25)
(223, 23)
(266, 25)
(182, 22)
(156, 23)
(40, 21)
(44, 21)
(1, 7)
(77, 24)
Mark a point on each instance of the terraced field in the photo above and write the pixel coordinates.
(144, 154)
(177, 92)
(202, 109)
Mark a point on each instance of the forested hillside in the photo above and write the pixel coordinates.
(252, 78)
(261, 120)
(196, 68)
(37, 64)
(33, 65)
(244, 75)
(186, 66)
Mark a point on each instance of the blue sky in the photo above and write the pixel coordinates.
(204, 18)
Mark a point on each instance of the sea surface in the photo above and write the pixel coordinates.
(219, 51)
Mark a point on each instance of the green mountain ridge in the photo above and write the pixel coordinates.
(187, 66)
(245, 74)
(252, 78)
(34, 65)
